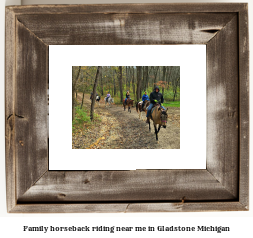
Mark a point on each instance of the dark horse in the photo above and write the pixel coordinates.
(97, 98)
(129, 103)
(159, 117)
(142, 108)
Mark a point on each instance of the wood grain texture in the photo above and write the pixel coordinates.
(117, 29)
(129, 207)
(222, 107)
(9, 109)
(222, 187)
(154, 8)
(30, 108)
(140, 185)
(244, 106)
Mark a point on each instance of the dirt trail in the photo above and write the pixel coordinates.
(120, 129)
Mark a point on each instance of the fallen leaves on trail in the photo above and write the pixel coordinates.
(119, 129)
(95, 144)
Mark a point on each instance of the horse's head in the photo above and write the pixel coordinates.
(164, 117)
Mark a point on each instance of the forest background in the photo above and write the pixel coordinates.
(118, 79)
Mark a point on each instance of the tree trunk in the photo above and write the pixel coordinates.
(176, 82)
(146, 78)
(82, 100)
(114, 84)
(155, 74)
(120, 83)
(168, 76)
(102, 86)
(94, 92)
(133, 85)
(139, 74)
(164, 73)
(74, 80)
(126, 78)
(129, 78)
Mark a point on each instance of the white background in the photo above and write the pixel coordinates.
(11, 224)
(192, 152)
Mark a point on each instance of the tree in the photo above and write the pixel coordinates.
(139, 74)
(75, 76)
(99, 70)
(120, 83)
(133, 85)
(114, 84)
(164, 73)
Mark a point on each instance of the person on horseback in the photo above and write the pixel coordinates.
(108, 96)
(155, 97)
(144, 98)
(127, 96)
(91, 94)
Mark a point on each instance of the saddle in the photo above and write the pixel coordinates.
(153, 108)
(125, 100)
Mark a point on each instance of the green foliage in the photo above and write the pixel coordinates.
(169, 95)
(81, 116)
(82, 119)
(172, 104)
(117, 100)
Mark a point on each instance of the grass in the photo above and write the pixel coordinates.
(81, 116)
(172, 104)
(82, 119)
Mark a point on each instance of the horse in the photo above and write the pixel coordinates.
(109, 101)
(129, 103)
(159, 117)
(141, 109)
(97, 99)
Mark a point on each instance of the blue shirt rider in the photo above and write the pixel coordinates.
(144, 98)
(155, 97)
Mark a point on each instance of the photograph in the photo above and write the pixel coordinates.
(126, 107)
(189, 61)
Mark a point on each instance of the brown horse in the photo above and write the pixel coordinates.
(140, 108)
(129, 103)
(159, 117)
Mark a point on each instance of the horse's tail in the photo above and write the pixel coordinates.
(137, 106)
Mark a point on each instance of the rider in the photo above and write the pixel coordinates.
(108, 96)
(91, 94)
(127, 96)
(155, 97)
(144, 98)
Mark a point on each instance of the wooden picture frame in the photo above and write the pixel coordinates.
(222, 186)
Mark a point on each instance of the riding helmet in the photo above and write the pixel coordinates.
(156, 87)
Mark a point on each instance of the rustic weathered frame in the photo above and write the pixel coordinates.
(223, 186)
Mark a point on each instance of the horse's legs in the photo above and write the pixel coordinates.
(159, 128)
(156, 132)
